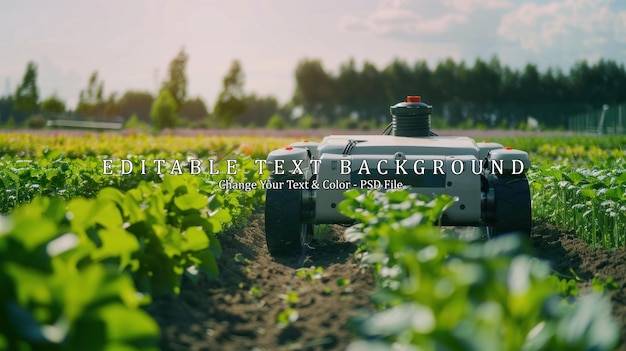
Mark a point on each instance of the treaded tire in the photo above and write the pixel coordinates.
(513, 205)
(283, 223)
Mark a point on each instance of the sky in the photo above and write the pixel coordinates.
(130, 43)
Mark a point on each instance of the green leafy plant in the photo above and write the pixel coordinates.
(74, 273)
(601, 285)
(590, 202)
(287, 316)
(255, 291)
(312, 273)
(438, 292)
(61, 291)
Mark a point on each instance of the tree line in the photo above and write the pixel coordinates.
(485, 93)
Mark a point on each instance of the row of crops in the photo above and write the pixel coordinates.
(579, 184)
(81, 252)
(439, 292)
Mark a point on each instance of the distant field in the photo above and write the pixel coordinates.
(318, 133)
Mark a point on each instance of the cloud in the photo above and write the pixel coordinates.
(576, 26)
(391, 22)
(548, 33)
(401, 17)
(468, 6)
(417, 18)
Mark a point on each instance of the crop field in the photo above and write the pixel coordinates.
(115, 241)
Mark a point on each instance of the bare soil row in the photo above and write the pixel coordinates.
(239, 310)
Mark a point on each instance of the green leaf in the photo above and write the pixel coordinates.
(190, 201)
(112, 194)
(132, 209)
(34, 233)
(341, 282)
(574, 177)
(175, 185)
(116, 242)
(172, 241)
(588, 192)
(214, 245)
(208, 263)
(195, 239)
(52, 154)
(115, 324)
(286, 317)
(53, 208)
(352, 194)
(221, 216)
(196, 219)
(30, 285)
(292, 298)
(107, 214)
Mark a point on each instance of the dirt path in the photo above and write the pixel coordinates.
(225, 315)
(239, 311)
(566, 251)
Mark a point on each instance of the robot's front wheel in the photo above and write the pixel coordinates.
(513, 212)
(284, 229)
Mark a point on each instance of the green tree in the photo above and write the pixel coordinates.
(276, 122)
(612, 79)
(347, 85)
(315, 89)
(53, 105)
(231, 101)
(35, 122)
(27, 94)
(164, 111)
(420, 82)
(258, 110)
(194, 110)
(446, 89)
(134, 123)
(372, 97)
(136, 103)
(307, 122)
(6, 108)
(398, 82)
(91, 100)
(10, 123)
(111, 107)
(176, 83)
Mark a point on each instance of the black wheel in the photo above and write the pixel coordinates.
(512, 205)
(283, 221)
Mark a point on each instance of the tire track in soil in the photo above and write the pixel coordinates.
(223, 315)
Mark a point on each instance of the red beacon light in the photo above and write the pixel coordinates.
(288, 148)
(413, 98)
(508, 148)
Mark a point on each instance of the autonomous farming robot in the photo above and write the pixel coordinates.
(308, 179)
